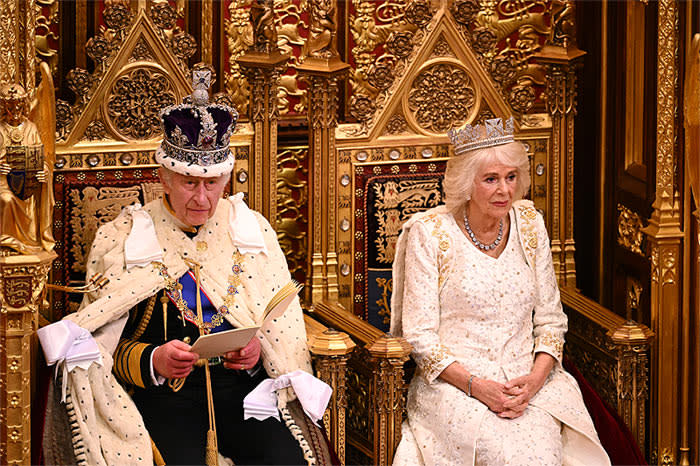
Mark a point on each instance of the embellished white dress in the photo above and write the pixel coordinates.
(454, 303)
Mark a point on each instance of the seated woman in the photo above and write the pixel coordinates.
(476, 296)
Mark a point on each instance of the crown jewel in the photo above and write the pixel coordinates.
(491, 133)
(197, 132)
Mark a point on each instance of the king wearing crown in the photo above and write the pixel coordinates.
(188, 265)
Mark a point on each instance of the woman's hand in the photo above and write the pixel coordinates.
(522, 389)
(245, 358)
(173, 360)
(493, 394)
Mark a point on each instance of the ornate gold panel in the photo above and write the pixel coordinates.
(140, 69)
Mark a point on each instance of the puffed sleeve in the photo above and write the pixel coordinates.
(550, 322)
(421, 303)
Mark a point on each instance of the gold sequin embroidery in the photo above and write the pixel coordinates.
(431, 363)
(552, 341)
(528, 232)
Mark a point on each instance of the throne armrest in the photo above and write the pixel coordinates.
(376, 409)
(330, 351)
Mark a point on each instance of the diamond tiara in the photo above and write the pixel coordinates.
(491, 133)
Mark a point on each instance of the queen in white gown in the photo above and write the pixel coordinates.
(476, 296)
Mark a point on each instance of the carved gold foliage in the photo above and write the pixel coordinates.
(358, 420)
(666, 105)
(8, 40)
(442, 96)
(91, 209)
(383, 302)
(395, 202)
(634, 291)
(135, 101)
(525, 25)
(396, 125)
(629, 230)
(239, 36)
(46, 34)
(292, 199)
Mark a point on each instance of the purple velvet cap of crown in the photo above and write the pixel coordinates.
(190, 125)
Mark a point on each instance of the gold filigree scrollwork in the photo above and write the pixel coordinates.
(629, 230)
(442, 96)
(135, 101)
(292, 196)
(395, 202)
(91, 209)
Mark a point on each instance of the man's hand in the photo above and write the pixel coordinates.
(245, 358)
(173, 360)
(5, 168)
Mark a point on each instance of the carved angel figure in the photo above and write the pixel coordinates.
(26, 191)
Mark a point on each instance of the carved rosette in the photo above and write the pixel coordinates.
(134, 103)
(442, 96)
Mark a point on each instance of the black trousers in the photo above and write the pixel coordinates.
(178, 421)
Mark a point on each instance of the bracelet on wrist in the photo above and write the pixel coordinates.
(469, 385)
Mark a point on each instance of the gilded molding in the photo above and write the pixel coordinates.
(629, 230)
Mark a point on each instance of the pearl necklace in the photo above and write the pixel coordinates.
(479, 244)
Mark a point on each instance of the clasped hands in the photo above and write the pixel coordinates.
(173, 360)
(508, 400)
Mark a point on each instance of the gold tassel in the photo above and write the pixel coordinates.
(212, 449)
(164, 302)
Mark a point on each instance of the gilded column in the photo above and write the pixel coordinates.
(561, 57)
(665, 238)
(22, 280)
(17, 49)
(331, 351)
(323, 69)
(262, 65)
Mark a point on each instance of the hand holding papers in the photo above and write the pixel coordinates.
(216, 344)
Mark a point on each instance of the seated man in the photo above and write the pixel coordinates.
(144, 320)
